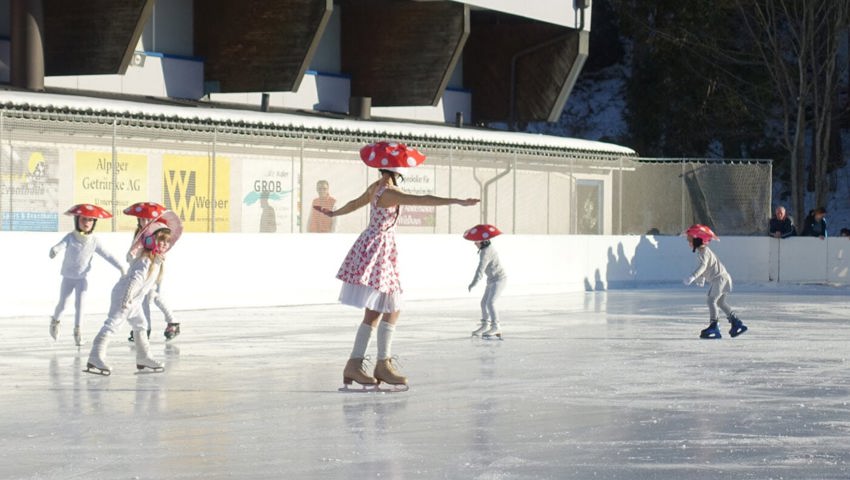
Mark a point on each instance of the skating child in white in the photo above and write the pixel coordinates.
(80, 247)
(127, 295)
(489, 266)
(720, 283)
(146, 212)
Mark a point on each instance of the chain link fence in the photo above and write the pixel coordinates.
(666, 196)
(221, 177)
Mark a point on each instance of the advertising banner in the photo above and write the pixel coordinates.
(266, 195)
(200, 199)
(93, 183)
(420, 181)
(29, 188)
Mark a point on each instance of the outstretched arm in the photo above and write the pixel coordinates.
(349, 207)
(109, 258)
(394, 197)
(56, 249)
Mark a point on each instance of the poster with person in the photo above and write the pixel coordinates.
(266, 195)
(29, 189)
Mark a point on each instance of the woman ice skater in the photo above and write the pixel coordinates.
(369, 272)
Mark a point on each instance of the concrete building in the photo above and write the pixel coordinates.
(452, 61)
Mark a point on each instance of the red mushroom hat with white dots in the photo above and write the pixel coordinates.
(482, 232)
(393, 156)
(88, 210)
(149, 210)
(702, 232)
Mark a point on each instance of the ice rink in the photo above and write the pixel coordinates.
(597, 385)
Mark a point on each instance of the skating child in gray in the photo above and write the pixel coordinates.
(127, 295)
(489, 266)
(80, 247)
(719, 282)
(146, 212)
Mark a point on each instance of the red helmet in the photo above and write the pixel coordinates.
(702, 232)
(148, 210)
(88, 210)
(481, 232)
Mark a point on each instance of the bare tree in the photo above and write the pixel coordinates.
(798, 41)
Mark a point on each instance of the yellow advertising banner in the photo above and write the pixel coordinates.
(94, 183)
(203, 204)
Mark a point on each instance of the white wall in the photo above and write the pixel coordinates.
(800, 259)
(445, 111)
(318, 91)
(154, 74)
(560, 12)
(235, 270)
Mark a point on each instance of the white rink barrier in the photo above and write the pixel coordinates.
(222, 270)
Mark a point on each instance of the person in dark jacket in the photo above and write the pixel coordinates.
(815, 224)
(782, 225)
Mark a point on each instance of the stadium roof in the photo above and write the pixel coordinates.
(216, 115)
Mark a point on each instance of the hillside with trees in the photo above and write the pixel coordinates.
(724, 79)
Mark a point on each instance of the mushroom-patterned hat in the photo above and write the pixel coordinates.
(145, 237)
(393, 156)
(482, 232)
(702, 232)
(88, 210)
(149, 210)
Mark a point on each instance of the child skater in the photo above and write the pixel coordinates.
(146, 212)
(720, 283)
(488, 264)
(369, 272)
(154, 240)
(80, 246)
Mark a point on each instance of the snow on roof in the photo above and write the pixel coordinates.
(51, 101)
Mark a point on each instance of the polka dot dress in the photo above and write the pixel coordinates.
(371, 262)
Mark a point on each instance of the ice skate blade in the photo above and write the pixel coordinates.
(97, 371)
(374, 389)
(354, 389)
(492, 337)
(392, 387)
(144, 369)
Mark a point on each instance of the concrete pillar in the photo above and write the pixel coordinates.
(27, 22)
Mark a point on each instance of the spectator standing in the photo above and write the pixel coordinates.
(318, 223)
(815, 224)
(782, 225)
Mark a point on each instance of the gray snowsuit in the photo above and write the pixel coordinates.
(720, 283)
(488, 264)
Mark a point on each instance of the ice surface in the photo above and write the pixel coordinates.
(597, 385)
